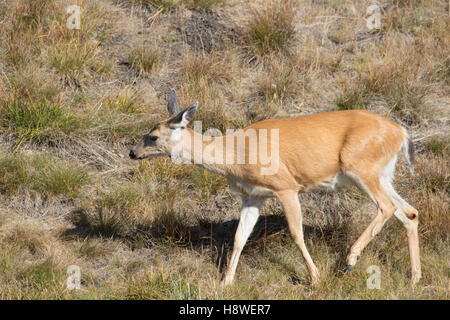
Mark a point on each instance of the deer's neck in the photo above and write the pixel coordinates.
(205, 151)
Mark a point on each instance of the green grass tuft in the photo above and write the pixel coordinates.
(352, 100)
(36, 119)
(162, 286)
(77, 61)
(45, 175)
(439, 145)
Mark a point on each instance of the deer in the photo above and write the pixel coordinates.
(331, 150)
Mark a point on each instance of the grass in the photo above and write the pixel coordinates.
(145, 59)
(206, 183)
(210, 111)
(280, 82)
(271, 28)
(38, 31)
(123, 102)
(145, 205)
(206, 4)
(72, 102)
(31, 14)
(435, 175)
(352, 100)
(122, 122)
(391, 82)
(44, 175)
(439, 145)
(165, 4)
(76, 61)
(34, 84)
(163, 286)
(29, 20)
(212, 67)
(204, 77)
(37, 120)
(133, 205)
(170, 4)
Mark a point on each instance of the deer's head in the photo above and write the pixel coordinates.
(166, 135)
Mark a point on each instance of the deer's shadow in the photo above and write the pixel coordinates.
(214, 238)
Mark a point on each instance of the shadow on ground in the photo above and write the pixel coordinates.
(213, 238)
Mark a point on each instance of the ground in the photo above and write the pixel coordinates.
(73, 101)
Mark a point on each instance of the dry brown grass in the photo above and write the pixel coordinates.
(271, 27)
(207, 78)
(145, 59)
(72, 102)
(280, 80)
(171, 4)
(212, 67)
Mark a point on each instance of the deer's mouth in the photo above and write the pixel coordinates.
(134, 156)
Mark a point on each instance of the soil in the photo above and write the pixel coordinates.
(207, 30)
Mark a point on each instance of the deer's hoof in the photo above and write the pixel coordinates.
(226, 282)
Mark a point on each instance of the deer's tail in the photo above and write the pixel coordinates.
(408, 151)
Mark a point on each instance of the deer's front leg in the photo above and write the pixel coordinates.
(249, 216)
(291, 206)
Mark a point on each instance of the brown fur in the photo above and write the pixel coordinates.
(323, 149)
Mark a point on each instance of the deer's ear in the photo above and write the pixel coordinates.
(183, 118)
(172, 103)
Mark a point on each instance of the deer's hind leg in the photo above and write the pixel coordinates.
(409, 217)
(386, 208)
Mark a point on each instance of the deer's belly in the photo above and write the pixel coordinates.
(340, 180)
(247, 189)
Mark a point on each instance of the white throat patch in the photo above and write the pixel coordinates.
(176, 135)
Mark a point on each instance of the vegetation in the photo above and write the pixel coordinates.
(40, 174)
(72, 101)
(145, 59)
(272, 27)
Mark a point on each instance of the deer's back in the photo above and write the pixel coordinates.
(313, 148)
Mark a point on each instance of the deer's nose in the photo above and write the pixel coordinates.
(132, 155)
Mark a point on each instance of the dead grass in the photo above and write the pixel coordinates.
(171, 4)
(205, 78)
(280, 81)
(212, 67)
(33, 84)
(392, 82)
(210, 99)
(72, 102)
(145, 59)
(439, 145)
(271, 27)
(28, 21)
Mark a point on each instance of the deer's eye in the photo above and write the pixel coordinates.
(148, 140)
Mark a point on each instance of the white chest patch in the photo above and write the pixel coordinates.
(176, 135)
